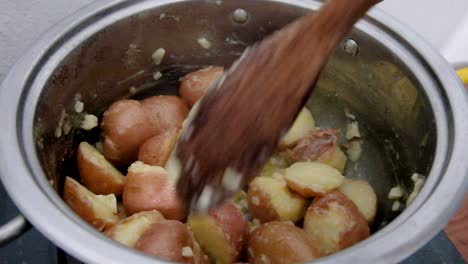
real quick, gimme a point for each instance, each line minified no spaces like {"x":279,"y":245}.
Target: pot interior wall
{"x":395,"y":117}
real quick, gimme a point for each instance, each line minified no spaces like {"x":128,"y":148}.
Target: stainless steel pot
{"x":409,"y":102}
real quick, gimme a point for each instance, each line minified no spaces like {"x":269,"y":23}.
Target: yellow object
{"x":463,"y":73}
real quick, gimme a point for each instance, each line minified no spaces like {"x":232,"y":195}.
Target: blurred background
{"x":444,"y":24}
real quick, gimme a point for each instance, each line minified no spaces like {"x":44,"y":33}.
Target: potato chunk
{"x":96,"y":173}
{"x":335,"y":223}
{"x":129,"y":230}
{"x":311,"y":179}
{"x":281,"y":242}
{"x":151,"y":188}
{"x":194,"y":85}
{"x":171,"y":240}
{"x":363,"y":196}
{"x":221,"y":233}
{"x":99,"y":211}
{"x":302,"y":126}
{"x":269,"y":199}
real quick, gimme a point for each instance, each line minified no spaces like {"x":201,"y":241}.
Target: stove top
{"x":33,"y":247}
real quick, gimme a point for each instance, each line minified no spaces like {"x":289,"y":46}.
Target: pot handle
{"x":13,"y":229}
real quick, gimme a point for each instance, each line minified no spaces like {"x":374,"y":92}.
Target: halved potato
{"x":311,"y":179}
{"x":363,"y":196}
{"x":221,"y":233}
{"x":156,"y":150}
{"x":281,"y":242}
{"x":125,"y":127}
{"x":151,"y":188}
{"x":301,"y":127}
{"x":165,"y":112}
{"x":130,"y":229}
{"x":320,"y":145}
{"x":334,"y":223}
{"x":269,"y":199}
{"x":194,"y":85}
{"x":96,"y":173}
{"x":99,"y":211}
{"x":171,"y":240}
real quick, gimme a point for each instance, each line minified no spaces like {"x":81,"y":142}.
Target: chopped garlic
{"x":418,"y":184}
{"x":157,"y":76}
{"x":231,"y":180}
{"x":158,"y":56}
{"x":132,"y":90}
{"x":204,"y":201}
{"x":89,"y":122}
{"x":354,"y":151}
{"x":204,"y":43}
{"x":349,"y":115}
{"x":187,"y":252}
{"x":79,"y":106}
{"x":352,"y":131}
{"x":395,"y":193}
{"x":396,"y":206}
{"x":58,"y":129}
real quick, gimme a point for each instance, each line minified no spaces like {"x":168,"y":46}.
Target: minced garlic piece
{"x":204,"y":43}
{"x":187,"y":252}
{"x":158,"y":56}
{"x":395,"y":193}
{"x":89,"y":122}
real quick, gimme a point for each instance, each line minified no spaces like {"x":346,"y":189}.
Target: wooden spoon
{"x":240,"y":120}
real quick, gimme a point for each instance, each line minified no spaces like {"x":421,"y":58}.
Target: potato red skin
{"x":125,"y":127}
{"x":279,"y":242}
{"x":165,"y":112}
{"x":233,"y":223}
{"x":156,"y":150}
{"x":166,"y":239}
{"x":100,"y":178}
{"x":353,"y":234}
{"x":146,"y":191}
{"x":194,"y":85}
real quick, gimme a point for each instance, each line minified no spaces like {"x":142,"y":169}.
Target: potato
{"x":171,"y":240}
{"x":276,"y":164}
{"x":125,"y":127}
{"x":363,"y":196}
{"x":320,"y":145}
{"x":281,"y":242}
{"x":130,"y":229}
{"x":194,"y":85}
{"x":335,"y":223}
{"x":165,"y":112}
{"x":96,"y":173}
{"x":301,"y":127}
{"x":156,"y":150}
{"x":151,"y":188}
{"x":311,"y":179}
{"x":99,"y":211}
{"x":221,"y":233}
{"x":269,"y":199}
{"x":335,"y":158}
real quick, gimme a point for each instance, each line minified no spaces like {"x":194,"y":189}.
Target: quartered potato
{"x":99,"y":211}
{"x":130,"y":229}
{"x":363,"y":196}
{"x":96,"y":173}
{"x":221,"y":233}
{"x":301,"y":127}
{"x":270,"y":199}
{"x":311,"y":179}
{"x":279,"y":243}
{"x":194,"y":85}
{"x":335,"y":223}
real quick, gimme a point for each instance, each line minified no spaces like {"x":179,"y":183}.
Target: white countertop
{"x":23,"y":21}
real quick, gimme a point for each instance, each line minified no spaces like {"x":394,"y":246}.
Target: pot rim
{"x":25,"y":181}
